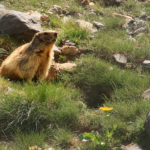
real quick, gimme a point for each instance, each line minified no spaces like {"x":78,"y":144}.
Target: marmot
{"x":31,"y":60}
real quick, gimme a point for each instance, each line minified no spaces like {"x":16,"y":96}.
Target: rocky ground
{"x":96,"y":96}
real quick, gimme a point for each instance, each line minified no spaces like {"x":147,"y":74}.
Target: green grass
{"x":36,"y":107}
{"x":73,"y":32}
{"x":24,"y":141}
{"x":63,"y":137}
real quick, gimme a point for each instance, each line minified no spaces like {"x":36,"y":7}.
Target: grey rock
{"x":135,"y":27}
{"x":18,"y":24}
{"x":120,"y":58}
{"x":147,"y":124}
{"x":98,"y":25}
{"x":132,"y":147}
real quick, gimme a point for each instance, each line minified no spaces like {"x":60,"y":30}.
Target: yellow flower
{"x":106,"y":108}
{"x":31,"y":148}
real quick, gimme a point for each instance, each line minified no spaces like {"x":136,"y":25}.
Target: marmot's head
{"x":46,"y":37}
{"x":42,"y":39}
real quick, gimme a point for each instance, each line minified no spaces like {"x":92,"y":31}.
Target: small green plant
{"x":74,"y":32}
{"x":114,"y":22}
{"x":55,"y":21}
{"x":105,"y":142}
{"x":62,"y":58}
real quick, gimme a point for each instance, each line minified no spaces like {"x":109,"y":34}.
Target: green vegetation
{"x":55,"y":113}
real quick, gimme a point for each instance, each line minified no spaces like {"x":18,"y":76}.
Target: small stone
{"x":91,"y":4}
{"x":132,"y":147}
{"x":84,"y":140}
{"x":146,"y":94}
{"x":65,"y":66}
{"x":146,"y":62}
{"x":69,"y":50}
{"x":97,"y":24}
{"x":70,"y":43}
{"x":120,"y":58}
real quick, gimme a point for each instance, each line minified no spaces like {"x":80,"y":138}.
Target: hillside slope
{"x":98,"y":105}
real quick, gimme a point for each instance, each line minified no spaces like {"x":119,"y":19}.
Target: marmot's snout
{"x":54,"y":37}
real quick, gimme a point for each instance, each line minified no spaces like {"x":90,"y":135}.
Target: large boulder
{"x":18,"y":24}
{"x":135,"y":27}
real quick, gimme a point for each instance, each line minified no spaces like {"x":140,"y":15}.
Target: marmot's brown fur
{"x":31,"y":60}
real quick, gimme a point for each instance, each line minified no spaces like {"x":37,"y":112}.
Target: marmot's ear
{"x":34,"y":44}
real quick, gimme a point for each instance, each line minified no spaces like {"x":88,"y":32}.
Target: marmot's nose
{"x":55,"y":34}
